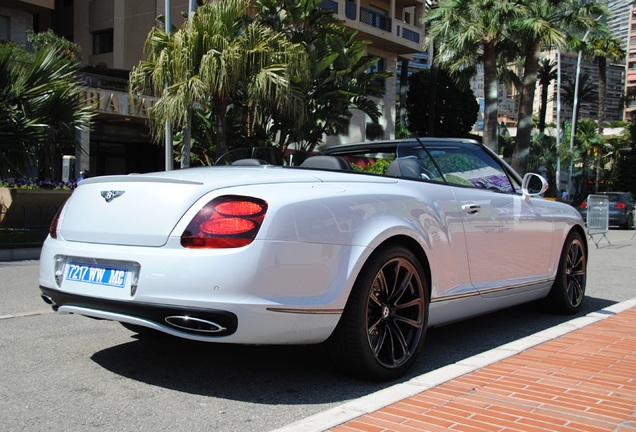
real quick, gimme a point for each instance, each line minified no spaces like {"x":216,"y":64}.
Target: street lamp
{"x":574,"y":109}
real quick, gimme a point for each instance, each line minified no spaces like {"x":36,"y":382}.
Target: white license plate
{"x":96,"y":274}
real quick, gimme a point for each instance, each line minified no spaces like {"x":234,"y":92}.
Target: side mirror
{"x":533,"y":185}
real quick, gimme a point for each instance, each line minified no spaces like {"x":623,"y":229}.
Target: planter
{"x":25,"y":214}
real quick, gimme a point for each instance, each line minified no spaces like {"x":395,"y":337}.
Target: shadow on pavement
{"x":293,"y":375}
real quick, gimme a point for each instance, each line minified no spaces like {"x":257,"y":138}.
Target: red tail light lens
{"x":53,"y":226}
{"x":583,"y":205}
{"x":619,"y":205}
{"x":225,"y":222}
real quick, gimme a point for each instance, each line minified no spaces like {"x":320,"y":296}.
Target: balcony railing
{"x":375,"y":19}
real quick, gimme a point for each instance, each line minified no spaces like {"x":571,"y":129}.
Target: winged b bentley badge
{"x":111,"y":195}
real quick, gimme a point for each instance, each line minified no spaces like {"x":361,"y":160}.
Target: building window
{"x":103,"y":42}
{"x":5,"y":31}
{"x":377,"y":68}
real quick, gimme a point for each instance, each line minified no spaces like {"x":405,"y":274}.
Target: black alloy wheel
{"x":384,"y":324}
{"x":568,"y":291}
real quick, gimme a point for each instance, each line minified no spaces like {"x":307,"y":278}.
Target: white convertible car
{"x":360,"y":248}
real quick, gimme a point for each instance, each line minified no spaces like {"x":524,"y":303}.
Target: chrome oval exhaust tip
{"x":48,"y":300}
{"x":194,"y":324}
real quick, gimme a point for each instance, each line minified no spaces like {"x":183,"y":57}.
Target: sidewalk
{"x":578,"y":376}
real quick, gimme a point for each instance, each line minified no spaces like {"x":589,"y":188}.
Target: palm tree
{"x":590,"y":145}
{"x":547,"y":73}
{"x":587,"y":92}
{"x":466,"y":32}
{"x":216,"y":55}
{"x":41,"y":108}
{"x":545,"y":23}
{"x":602,"y":48}
{"x":614,"y":150}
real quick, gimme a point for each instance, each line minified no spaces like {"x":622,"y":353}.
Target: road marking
{"x":26,"y":314}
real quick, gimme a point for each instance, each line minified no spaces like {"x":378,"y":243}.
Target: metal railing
{"x":375,"y":19}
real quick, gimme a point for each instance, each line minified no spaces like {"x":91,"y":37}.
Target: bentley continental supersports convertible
{"x":360,"y":248}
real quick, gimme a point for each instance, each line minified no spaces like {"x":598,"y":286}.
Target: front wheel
{"x":568,"y":290}
{"x":384,"y":322}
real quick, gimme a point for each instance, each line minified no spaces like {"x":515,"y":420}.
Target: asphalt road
{"x":66,"y":372}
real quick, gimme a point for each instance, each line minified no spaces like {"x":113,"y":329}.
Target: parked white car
{"x":321,"y":253}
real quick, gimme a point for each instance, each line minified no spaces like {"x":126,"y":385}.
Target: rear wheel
{"x":384,"y":323}
{"x":629,"y":223}
{"x":568,"y":291}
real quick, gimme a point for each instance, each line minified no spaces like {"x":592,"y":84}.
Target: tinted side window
{"x":470,"y":166}
{"x":415,"y":162}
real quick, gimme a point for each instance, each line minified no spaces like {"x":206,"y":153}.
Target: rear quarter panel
{"x":364,"y":216}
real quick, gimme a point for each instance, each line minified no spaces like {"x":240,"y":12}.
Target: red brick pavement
{"x":582,"y":381}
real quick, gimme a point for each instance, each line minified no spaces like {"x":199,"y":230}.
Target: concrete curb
{"x":367,"y":404}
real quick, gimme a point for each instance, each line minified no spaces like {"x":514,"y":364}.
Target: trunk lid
{"x":142,"y":210}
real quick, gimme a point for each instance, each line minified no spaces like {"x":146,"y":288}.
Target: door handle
{"x":471,"y":208}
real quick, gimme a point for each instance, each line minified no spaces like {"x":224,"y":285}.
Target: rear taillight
{"x":225,"y":222}
{"x":583,"y":205}
{"x":619,"y":205}
{"x":53,"y":226}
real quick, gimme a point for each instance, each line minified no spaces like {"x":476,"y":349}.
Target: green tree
{"x":547,"y":73}
{"x":602,"y":48}
{"x":341,"y":75}
{"x":615,"y":150}
{"x":43,"y":40}
{"x":456,"y":107}
{"x":41,"y":108}
{"x":545,"y":23}
{"x":466,"y":32}
{"x":590,"y":145}
{"x":217,"y":56}
{"x":625,"y":172}
{"x":543,"y":155}
{"x":587,"y":92}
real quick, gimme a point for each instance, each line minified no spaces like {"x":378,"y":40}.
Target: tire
{"x":629,"y":223}
{"x":383,"y":326}
{"x":568,"y":291}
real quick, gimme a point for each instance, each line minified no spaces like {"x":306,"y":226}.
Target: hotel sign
{"x":115,"y":102}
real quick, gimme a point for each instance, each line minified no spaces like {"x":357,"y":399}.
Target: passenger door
{"x":509,"y":240}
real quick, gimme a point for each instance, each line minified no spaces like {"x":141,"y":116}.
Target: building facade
{"x":630,"y":67}
{"x":507,"y":101}
{"x":112,"y":34}
{"x":395,"y":31}
{"x":588,"y":105}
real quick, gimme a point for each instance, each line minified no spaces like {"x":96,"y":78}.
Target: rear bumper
{"x":157,"y":316}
